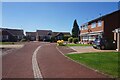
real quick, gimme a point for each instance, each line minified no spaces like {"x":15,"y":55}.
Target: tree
{"x":75,"y":30}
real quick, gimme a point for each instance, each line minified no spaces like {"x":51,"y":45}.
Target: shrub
{"x":60,"y":42}
{"x":52,"y":39}
{"x":70,"y":39}
{"x":23,"y":40}
{"x":65,"y":37}
{"x":75,"y":40}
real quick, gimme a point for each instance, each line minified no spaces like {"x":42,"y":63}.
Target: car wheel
{"x":102,"y":47}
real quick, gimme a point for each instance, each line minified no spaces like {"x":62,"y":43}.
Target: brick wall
{"x":97,"y":28}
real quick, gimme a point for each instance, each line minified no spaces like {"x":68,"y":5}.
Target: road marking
{"x":36,"y":70}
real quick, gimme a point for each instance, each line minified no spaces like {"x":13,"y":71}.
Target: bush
{"x":75,"y":40}
{"x":65,"y":37}
{"x":23,"y":40}
{"x":52,"y":39}
{"x":70,"y":39}
{"x":60,"y":42}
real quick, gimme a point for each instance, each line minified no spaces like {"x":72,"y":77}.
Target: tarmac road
{"x":18,"y":64}
{"x":48,"y":58}
{"x":54,"y":65}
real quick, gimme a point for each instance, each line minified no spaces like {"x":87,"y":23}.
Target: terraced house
{"x":100,"y":27}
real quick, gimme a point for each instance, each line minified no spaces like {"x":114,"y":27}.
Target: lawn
{"x":106,"y":62}
{"x":78,"y":45}
{"x":6,"y":43}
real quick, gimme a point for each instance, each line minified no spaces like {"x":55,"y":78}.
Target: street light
{"x":117,"y":31}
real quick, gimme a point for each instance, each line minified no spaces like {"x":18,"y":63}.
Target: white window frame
{"x":99,"y":23}
{"x":93,"y":25}
{"x":85,"y":27}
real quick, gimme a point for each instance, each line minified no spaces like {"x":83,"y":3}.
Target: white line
{"x":36,"y":70}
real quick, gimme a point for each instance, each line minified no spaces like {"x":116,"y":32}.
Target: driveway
{"x":86,"y":49}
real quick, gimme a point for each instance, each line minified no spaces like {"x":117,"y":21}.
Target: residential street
{"x":18,"y":64}
{"x":43,"y":60}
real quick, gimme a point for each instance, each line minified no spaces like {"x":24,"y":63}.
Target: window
{"x":84,"y":27}
{"x":99,"y":23}
{"x":4,"y":37}
{"x":85,"y":37}
{"x":18,"y":37}
{"x":93,"y":25}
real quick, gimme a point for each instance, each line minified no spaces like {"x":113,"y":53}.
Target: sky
{"x":55,"y":16}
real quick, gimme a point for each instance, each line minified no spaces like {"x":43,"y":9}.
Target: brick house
{"x":43,"y":35}
{"x":11,"y":35}
{"x":60,"y":35}
{"x":31,"y":36}
{"x":100,"y":27}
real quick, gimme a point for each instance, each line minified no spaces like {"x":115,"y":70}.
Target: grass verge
{"x":6,"y":43}
{"x":78,"y":45}
{"x":106,"y":62}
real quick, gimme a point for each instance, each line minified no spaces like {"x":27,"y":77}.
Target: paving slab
{"x":12,"y":46}
{"x":88,"y":49}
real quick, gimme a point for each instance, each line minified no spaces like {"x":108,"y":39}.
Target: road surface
{"x":43,"y":60}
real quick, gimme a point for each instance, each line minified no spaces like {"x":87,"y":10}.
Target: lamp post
{"x":118,"y":39}
{"x":117,"y":31}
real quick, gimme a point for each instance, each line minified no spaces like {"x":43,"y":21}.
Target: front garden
{"x":71,"y":42}
{"x":106,"y":62}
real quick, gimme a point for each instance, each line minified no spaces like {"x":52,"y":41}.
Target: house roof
{"x":14,"y":32}
{"x":102,"y":17}
{"x":30,"y":33}
{"x":44,"y":32}
{"x":66,"y":33}
{"x":57,"y":33}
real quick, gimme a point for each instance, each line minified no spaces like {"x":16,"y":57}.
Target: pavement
{"x":6,"y":49}
{"x":12,"y":46}
{"x":44,"y":60}
{"x":88,"y":49}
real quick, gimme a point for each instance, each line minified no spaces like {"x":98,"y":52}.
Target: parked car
{"x":102,"y":43}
